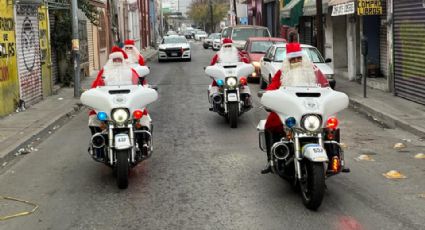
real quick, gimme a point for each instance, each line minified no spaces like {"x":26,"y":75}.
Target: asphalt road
{"x":204,"y":175}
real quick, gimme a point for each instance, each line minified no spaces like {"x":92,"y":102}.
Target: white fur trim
{"x":116,"y":55}
{"x":295,"y":54}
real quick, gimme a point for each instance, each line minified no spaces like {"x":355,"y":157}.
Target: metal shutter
{"x":383,"y":54}
{"x":409,"y":50}
{"x":28,"y":49}
{"x":55,"y":71}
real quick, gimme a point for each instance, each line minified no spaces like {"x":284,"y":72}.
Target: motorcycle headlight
{"x":231,"y":81}
{"x":311,"y":123}
{"x":120,"y":115}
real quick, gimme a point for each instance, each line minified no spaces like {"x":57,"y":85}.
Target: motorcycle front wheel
{"x":122,"y":168}
{"x":312,"y":185}
{"x":233,"y":114}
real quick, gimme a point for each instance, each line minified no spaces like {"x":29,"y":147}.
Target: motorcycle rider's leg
{"x":146,"y":124}
{"x":272,"y":136}
{"x":246,"y":97}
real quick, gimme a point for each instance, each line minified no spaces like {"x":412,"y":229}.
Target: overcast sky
{"x":182,"y":5}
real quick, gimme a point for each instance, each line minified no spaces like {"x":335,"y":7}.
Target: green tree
{"x":200,"y":12}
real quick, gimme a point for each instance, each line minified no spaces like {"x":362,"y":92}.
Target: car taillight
{"x":137,"y":114}
{"x":332,"y":123}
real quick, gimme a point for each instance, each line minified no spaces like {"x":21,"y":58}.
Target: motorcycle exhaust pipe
{"x":280,"y":151}
{"x":98,"y":141}
{"x":217,"y":99}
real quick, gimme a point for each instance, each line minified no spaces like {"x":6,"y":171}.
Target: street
{"x":204,"y":175}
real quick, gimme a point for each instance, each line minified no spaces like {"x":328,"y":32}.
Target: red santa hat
{"x":117,"y":52}
{"x":227,"y":41}
{"x":129,"y":42}
{"x":293,"y":50}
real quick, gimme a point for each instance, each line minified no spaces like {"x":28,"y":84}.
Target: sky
{"x":178,"y":5}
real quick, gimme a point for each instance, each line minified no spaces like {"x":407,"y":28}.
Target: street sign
{"x":369,"y":7}
{"x":343,"y":9}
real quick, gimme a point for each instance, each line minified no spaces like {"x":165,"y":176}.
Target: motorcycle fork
{"x":298,"y":157}
{"x":111,"y":143}
{"x":225,"y":100}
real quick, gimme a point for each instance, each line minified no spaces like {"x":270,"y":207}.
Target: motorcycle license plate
{"x":232,"y":97}
{"x":122,"y":141}
{"x":174,"y":54}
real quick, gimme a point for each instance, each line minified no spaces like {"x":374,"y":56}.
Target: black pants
{"x":271,"y":138}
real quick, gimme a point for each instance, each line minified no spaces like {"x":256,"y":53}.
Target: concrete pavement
{"x":384,"y":108}
{"x":20,"y":131}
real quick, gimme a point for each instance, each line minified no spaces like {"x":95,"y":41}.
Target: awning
{"x":337,"y":2}
{"x":286,"y":11}
{"x":310,"y":7}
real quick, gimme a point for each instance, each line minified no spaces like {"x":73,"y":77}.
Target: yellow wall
{"x":9,"y":83}
{"x":46,"y":63}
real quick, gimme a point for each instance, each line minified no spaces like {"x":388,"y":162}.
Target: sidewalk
{"x":19,"y":131}
{"x":384,"y":107}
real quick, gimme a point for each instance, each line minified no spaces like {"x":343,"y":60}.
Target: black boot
{"x":267,"y":169}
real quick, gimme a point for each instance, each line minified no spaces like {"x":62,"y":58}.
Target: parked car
{"x":272,"y":62}
{"x":171,"y":32}
{"x":174,"y":47}
{"x":240,"y":34}
{"x":254,"y":50}
{"x":216,"y":43}
{"x":208,"y":42}
{"x":199,"y":35}
{"x":188,"y":34}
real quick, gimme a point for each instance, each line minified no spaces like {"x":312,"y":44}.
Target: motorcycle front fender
{"x":314,"y":153}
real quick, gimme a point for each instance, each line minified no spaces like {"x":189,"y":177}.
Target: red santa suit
{"x":305,"y":74}
{"x":134,"y":55}
{"x":116,"y":73}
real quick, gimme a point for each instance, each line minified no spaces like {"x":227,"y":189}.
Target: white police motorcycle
{"x":309,"y":150}
{"x":122,"y":141}
{"x":233,"y":97}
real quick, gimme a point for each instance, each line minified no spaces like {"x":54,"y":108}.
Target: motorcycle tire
{"x":122,"y":168}
{"x":313,"y":185}
{"x":233,"y":114}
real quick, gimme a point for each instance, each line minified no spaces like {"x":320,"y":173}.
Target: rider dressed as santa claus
{"x":134,"y":55}
{"x":228,"y":53}
{"x":117,"y":71}
{"x":297,"y":70}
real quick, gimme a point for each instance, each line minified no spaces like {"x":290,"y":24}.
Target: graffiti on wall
{"x":28,"y":45}
{"x":7,"y":46}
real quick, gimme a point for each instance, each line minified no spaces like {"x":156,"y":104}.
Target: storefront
{"x":409,"y":50}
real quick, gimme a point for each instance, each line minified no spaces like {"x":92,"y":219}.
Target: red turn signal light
{"x":137,"y":114}
{"x":243,"y":80}
{"x":332,"y":123}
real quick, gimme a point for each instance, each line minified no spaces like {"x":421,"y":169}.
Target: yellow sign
{"x":369,"y":7}
{"x":75,"y":44}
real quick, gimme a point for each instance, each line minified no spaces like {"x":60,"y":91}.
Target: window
{"x":245,"y":33}
{"x":260,"y":46}
{"x":174,"y":39}
{"x":312,"y":54}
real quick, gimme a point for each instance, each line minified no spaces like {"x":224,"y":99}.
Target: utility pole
{"x":212,"y":16}
{"x":319,"y":26}
{"x":161,"y":19}
{"x":236,"y":14}
{"x":75,"y":48}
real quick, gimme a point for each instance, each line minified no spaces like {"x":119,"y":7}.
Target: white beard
{"x":228,"y":55}
{"x":133,"y":57}
{"x":118,"y":75}
{"x":298,"y":76}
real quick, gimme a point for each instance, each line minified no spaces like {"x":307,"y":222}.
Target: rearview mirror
{"x":328,"y":60}
{"x":266,"y":59}
{"x":155,"y":87}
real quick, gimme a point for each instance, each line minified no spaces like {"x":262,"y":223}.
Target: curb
{"x":44,"y":132}
{"x":38,"y":136}
{"x":385,"y":120}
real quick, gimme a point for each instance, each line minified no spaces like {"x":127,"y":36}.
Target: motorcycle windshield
{"x":223,"y":70}
{"x":107,"y":98}
{"x":298,"y":101}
